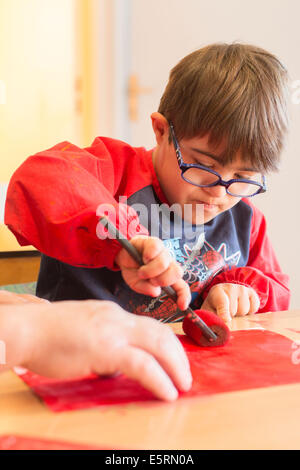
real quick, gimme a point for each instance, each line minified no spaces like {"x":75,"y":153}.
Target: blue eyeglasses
{"x":204,"y":177}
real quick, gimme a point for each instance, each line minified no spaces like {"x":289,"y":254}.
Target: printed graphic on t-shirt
{"x":201,"y":263}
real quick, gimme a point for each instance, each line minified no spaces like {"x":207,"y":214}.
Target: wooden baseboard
{"x":17,"y":268}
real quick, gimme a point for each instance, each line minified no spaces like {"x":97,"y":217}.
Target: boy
{"x":73,"y":339}
{"x":219,"y":129}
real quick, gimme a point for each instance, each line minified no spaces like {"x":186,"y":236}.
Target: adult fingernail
{"x":171,"y":394}
{"x":187,"y":383}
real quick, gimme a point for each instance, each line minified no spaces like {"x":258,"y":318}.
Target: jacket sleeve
{"x":262,"y":272}
{"x":55,"y":198}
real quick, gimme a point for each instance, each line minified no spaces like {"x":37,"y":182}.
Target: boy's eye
{"x":242,"y":177}
{"x":206,"y":165}
{"x":191,"y":159}
{"x":209,"y":167}
{"x":247,"y":177}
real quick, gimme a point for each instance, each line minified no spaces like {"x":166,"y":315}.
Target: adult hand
{"x":75,"y":338}
{"x":7,"y":297}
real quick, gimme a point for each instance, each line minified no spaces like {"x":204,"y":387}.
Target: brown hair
{"x":231,"y":91}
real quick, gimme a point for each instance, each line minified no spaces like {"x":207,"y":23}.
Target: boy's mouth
{"x":207,"y":206}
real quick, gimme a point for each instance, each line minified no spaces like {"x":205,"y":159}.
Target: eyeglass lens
{"x":201,"y":177}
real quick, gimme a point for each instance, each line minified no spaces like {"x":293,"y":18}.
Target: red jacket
{"x":52,"y":203}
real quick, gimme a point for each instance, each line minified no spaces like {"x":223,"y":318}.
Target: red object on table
{"x":251,"y":359}
{"x":12,"y":442}
{"x":215,"y":323}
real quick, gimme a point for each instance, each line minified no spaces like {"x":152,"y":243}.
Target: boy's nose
{"x":216,"y":191}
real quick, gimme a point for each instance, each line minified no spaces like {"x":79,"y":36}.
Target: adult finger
{"x":143,"y":367}
{"x":13,"y":298}
{"x":33,"y":298}
{"x":160,"y":341}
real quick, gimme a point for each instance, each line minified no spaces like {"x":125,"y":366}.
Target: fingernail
{"x":172,"y":394}
{"x":226,"y":318}
{"x":187,"y":383}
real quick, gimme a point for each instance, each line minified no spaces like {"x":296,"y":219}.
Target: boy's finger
{"x":220,"y":301}
{"x":157,"y":266}
{"x":243,"y":302}
{"x":149,"y":247}
{"x":171,"y":275}
{"x":183,"y":292}
{"x":146,"y":288}
{"x":254,"y":301}
{"x":126,"y":261}
{"x":233,"y":303}
{"x":152,"y":248}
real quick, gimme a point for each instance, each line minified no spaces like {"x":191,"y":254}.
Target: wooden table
{"x":265,"y":418}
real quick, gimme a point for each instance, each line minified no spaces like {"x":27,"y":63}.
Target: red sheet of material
{"x":28,"y":443}
{"x":251,"y":359}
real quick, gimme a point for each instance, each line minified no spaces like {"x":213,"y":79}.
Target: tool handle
{"x":167,"y":289}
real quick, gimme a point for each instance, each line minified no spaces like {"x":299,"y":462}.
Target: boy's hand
{"x":70,"y":339}
{"x":228,"y":300}
{"x":160,"y":270}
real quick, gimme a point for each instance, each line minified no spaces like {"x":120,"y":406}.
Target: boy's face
{"x":213,"y":200}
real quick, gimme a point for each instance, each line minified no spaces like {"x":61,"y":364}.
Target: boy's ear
{"x":160,"y":127}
